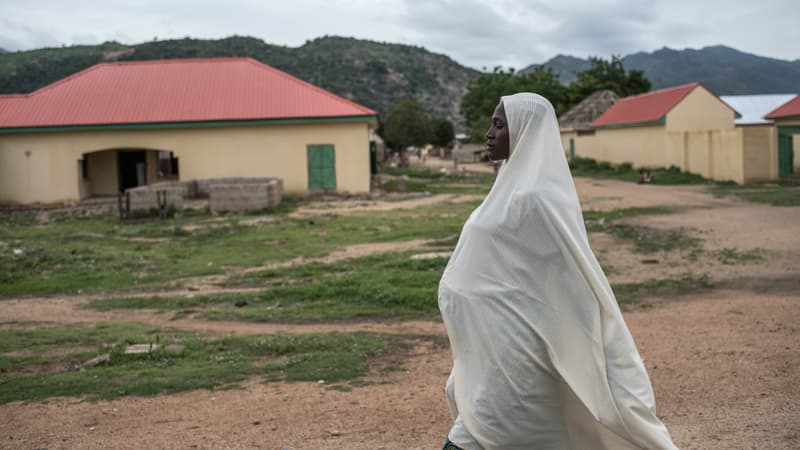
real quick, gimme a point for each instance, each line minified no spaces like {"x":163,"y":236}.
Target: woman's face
{"x":497,"y":142}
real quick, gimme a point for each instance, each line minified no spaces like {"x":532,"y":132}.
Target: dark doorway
{"x":132,"y":169}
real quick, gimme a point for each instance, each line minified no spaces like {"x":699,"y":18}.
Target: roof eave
{"x":370,"y":119}
{"x":647,"y":123}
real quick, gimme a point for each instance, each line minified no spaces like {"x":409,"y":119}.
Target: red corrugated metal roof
{"x":649,"y":107}
{"x":788,"y":109}
{"x":182,"y":90}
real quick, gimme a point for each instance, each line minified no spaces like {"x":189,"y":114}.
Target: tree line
{"x":408,"y":124}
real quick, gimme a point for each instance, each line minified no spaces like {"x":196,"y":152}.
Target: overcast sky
{"x":476,"y":33}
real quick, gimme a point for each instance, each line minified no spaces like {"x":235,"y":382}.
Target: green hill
{"x":371,"y":73}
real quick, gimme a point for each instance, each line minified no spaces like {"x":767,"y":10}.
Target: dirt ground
{"x":724,"y":361}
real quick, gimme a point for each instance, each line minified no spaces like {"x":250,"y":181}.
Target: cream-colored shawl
{"x":541,"y":355}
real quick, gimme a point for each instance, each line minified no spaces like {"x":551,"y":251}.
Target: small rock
{"x":240,"y":304}
{"x":176,"y":349}
{"x":321,"y":381}
{"x":18,"y":251}
{"x":190,"y":296}
{"x":95,"y":361}
{"x":256,"y":422}
{"x":334,"y":432}
{"x":140,"y":348}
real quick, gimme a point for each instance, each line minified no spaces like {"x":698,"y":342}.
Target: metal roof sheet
{"x":753,"y":108}
{"x":788,"y":109}
{"x":643,"y":108}
{"x":184,"y":90}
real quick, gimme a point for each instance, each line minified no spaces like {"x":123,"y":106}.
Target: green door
{"x":785,"y":150}
{"x":571,"y":149}
{"x":785,"y":156}
{"x":321,"y":167}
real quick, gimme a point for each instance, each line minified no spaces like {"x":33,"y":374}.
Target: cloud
{"x":16,"y":36}
{"x":476,"y":33}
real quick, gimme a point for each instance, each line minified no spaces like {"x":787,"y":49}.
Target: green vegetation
{"x":46,"y":338}
{"x":732,"y":256}
{"x":422,"y":179}
{"x":772,"y":194}
{"x":588,"y":167}
{"x":407,"y":124}
{"x":644,"y":239}
{"x":632,"y":293}
{"x":100,"y":254}
{"x":200,"y":363}
{"x":375,"y":286}
{"x":610,"y":75}
{"x":484,"y":92}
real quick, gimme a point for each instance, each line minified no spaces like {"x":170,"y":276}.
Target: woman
{"x":541,"y":356}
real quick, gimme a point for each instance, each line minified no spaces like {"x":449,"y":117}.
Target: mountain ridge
{"x":724,"y":70}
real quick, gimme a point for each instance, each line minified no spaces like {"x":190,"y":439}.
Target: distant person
{"x":542,"y":358}
{"x":644,"y":177}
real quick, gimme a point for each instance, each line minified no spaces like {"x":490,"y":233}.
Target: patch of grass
{"x":651,"y":240}
{"x":371,"y":286}
{"x":382,"y":285}
{"x":209,"y":364}
{"x":69,"y":336}
{"x":594,"y":218}
{"x":161,"y":303}
{"x":631,"y":293}
{"x":645,"y":239}
{"x":99,"y":254}
{"x":12,"y":363}
{"x":412,"y":172}
{"x":776,"y":195}
{"x":732,"y":256}
{"x":17,"y":219}
{"x":588,"y":167}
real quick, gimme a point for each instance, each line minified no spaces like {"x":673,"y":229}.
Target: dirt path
{"x":722,"y":365}
{"x":344,"y":207}
{"x":723,"y":362}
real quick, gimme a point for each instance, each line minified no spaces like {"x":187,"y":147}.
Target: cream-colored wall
{"x":103,"y":176}
{"x":30,"y":172}
{"x":796,"y":150}
{"x":760,"y":158}
{"x":50,"y":172}
{"x":640,"y":146}
{"x":715,"y":154}
{"x":700,"y":110}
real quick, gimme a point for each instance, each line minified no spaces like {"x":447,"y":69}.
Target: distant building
{"x":578,"y":120}
{"x":787,"y":125}
{"x":119,"y":125}
{"x":685,"y":126}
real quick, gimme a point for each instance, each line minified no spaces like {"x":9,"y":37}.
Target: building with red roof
{"x":787,"y":126}
{"x":118,"y":125}
{"x":688,"y":127}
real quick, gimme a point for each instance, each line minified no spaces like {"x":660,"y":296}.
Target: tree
{"x":407,"y":124}
{"x":607,"y":75}
{"x":443,"y":132}
{"x":484,"y":92}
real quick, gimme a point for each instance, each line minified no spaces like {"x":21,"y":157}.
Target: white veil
{"x":523,"y":297}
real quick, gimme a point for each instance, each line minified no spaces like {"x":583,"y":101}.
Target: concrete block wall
{"x":203,"y":186}
{"x":188,"y":188}
{"x":146,"y":197}
{"x":244,"y":195}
